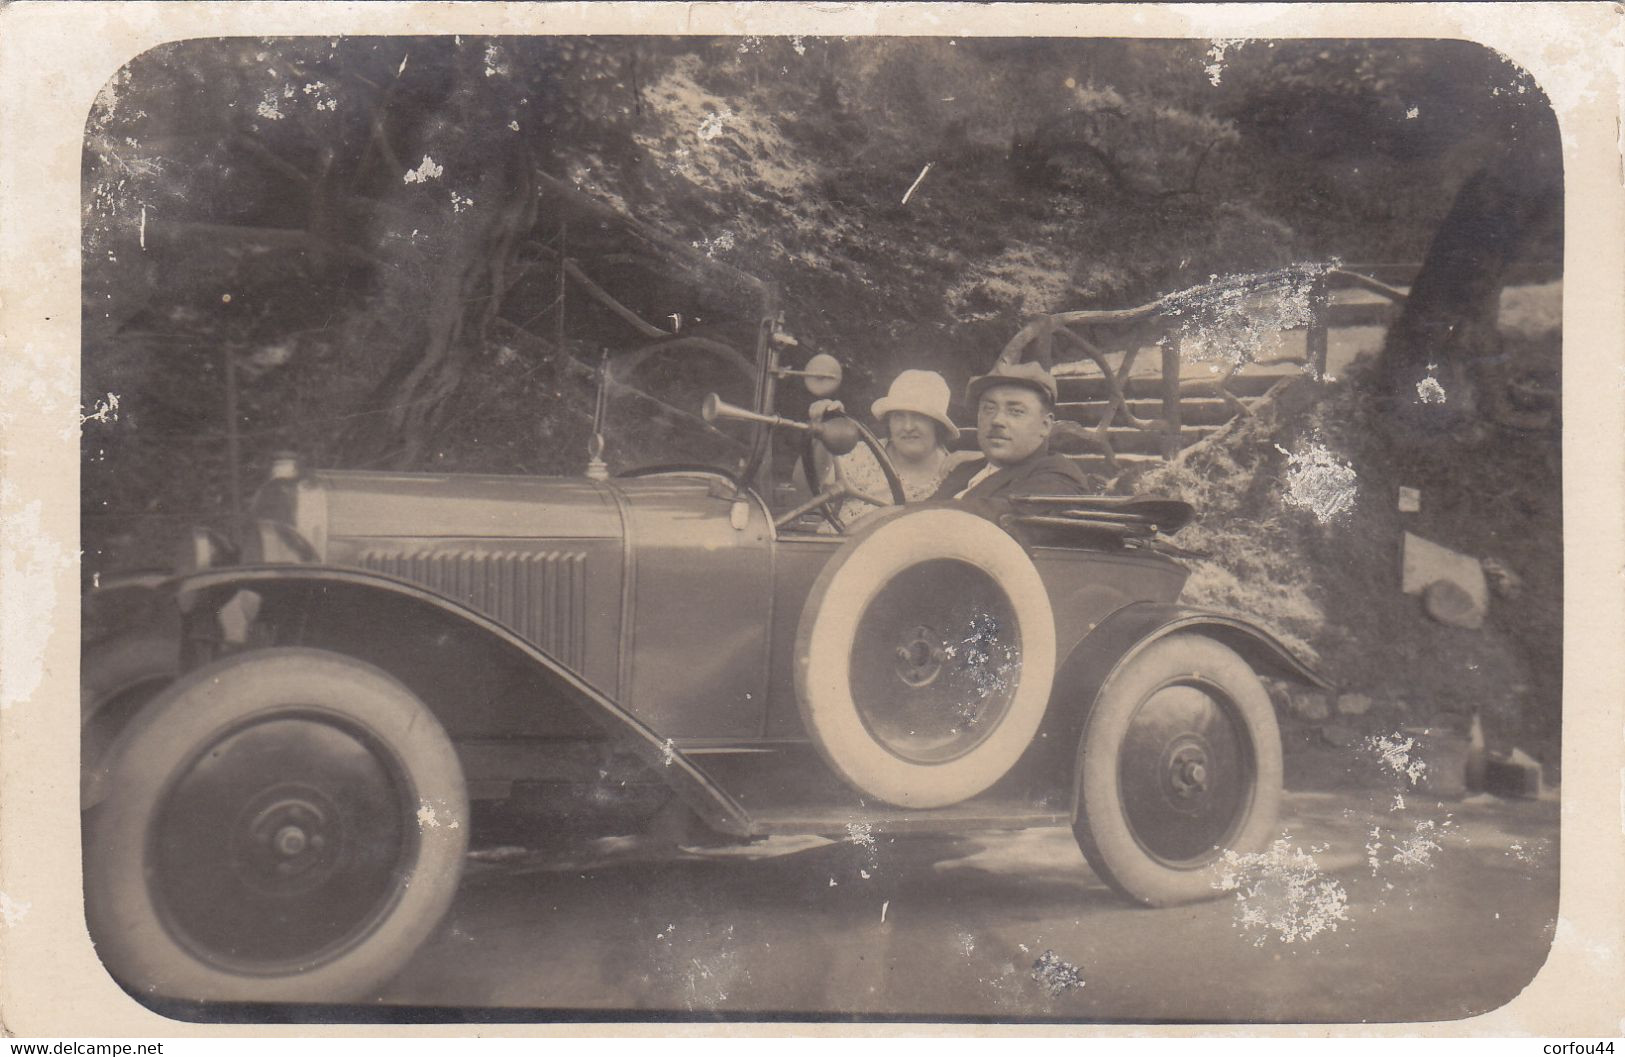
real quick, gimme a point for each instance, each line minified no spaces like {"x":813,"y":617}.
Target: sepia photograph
{"x":847,"y":529}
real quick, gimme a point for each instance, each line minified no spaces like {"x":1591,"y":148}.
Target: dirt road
{"x":1373,"y":908}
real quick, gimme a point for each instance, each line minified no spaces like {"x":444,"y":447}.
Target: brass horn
{"x":839,"y":435}
{"x":715,"y":407}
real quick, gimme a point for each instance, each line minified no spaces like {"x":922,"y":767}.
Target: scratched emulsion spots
{"x":428,"y":818}
{"x":715,"y":123}
{"x":985,"y":667}
{"x":105,"y":411}
{"x":703,"y":967}
{"x":494,"y":64}
{"x":1282,"y":892}
{"x":1600,"y":950}
{"x":12,"y":911}
{"x":1415,"y":849}
{"x":1393,"y":752}
{"x":1319,"y":482}
{"x":31,"y":561}
{"x":268,"y":107}
{"x":1233,"y":321}
{"x":1535,"y":853}
{"x":322,"y":94}
{"x":861,"y":834}
{"x":722,"y":243}
{"x":1057,"y":977}
{"x":428,"y":169}
{"x":1216,"y":52}
{"x":1429,"y":391}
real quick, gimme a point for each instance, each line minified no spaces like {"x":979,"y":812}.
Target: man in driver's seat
{"x":1015,"y":412}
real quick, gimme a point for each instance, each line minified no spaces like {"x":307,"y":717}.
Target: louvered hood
{"x":541,"y":556}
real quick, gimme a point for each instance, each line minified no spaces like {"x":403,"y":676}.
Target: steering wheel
{"x":825,"y":502}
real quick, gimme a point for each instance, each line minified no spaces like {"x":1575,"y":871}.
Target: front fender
{"x":303,"y":589}
{"x":1119,"y":638}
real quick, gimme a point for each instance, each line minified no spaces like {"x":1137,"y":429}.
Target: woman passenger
{"x":917,"y":435}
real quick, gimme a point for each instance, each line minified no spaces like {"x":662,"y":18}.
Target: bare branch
{"x":599,"y":294}
{"x":272,"y":158}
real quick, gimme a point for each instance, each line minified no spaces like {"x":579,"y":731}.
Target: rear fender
{"x":1121,"y":637}
{"x":300,"y":601}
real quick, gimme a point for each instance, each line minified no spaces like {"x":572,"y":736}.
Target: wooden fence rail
{"x":1120,"y":416}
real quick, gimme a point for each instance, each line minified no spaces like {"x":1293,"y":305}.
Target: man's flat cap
{"x":1029,"y":374}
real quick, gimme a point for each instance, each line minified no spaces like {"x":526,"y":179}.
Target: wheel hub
{"x":285,"y":838}
{"x":1188,"y":770}
{"x":1185,"y":773}
{"x":290,"y":840}
{"x":930,"y":693}
{"x":920,"y":653}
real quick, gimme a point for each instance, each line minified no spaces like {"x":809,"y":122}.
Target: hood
{"x":421,"y":505}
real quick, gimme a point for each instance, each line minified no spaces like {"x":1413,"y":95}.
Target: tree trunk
{"x":465,"y":295}
{"x":444,"y":283}
{"x":1448,"y":330}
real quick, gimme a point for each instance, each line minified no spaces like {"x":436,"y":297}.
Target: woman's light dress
{"x":863,"y":473}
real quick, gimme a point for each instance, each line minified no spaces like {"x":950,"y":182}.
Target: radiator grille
{"x":539,"y":594}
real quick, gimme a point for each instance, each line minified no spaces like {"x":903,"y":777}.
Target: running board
{"x":978,"y":814}
{"x":790,"y":791}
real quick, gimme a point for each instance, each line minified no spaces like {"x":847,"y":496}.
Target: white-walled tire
{"x":1179,"y":762}
{"x":285,"y":825}
{"x":117,"y":676}
{"x":925,"y":656}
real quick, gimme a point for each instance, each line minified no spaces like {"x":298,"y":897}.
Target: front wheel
{"x":285,"y":825}
{"x":1180,"y":761}
{"x":117,"y":677}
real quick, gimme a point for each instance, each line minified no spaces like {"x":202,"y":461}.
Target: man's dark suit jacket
{"x":1041,"y":473}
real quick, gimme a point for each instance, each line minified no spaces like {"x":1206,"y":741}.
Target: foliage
{"x":355,"y":225}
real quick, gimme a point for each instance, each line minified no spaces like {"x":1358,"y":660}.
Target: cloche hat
{"x":923,"y":392}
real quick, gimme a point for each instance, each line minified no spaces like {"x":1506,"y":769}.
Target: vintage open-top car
{"x":287,"y":819}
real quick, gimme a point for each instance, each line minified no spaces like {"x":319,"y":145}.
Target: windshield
{"x":652,"y":406}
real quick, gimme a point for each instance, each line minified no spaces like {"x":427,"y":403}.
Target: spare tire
{"x":924,"y":656}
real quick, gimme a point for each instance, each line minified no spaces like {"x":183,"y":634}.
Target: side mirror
{"x":823,"y":375}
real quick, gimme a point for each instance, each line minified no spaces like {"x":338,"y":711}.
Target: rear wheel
{"x":283,"y":825}
{"x":1180,"y":761}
